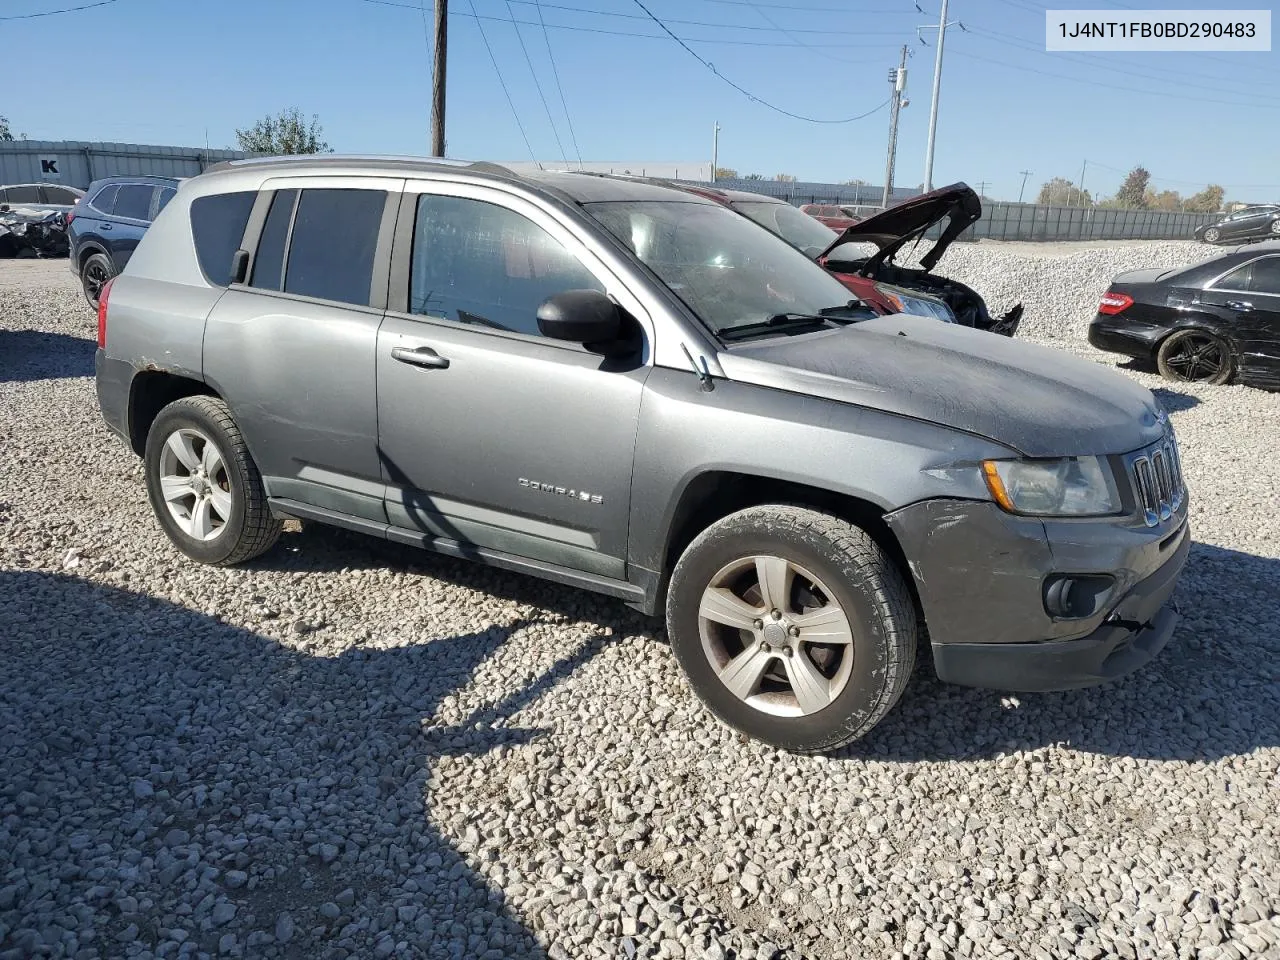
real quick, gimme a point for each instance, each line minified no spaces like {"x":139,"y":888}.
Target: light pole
{"x":941,"y":27}
{"x":899,"y":80}
{"x":715,"y":150}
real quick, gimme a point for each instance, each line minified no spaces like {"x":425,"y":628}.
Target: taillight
{"x":102,"y":313}
{"x":70,"y":215}
{"x":1113,"y":303}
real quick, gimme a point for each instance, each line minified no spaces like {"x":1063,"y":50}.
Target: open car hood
{"x":892,"y":229}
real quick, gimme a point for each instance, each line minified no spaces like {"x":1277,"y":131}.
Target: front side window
{"x":134,"y":201}
{"x":335,"y":237}
{"x":23,"y":194}
{"x":799,"y":229}
{"x":728,"y":272}
{"x":1266,"y":276}
{"x":480,"y":263}
{"x":217,"y":226}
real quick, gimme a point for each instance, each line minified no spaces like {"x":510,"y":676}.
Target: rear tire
{"x":793,"y":626}
{"x":94,"y":274}
{"x":1212,"y":235}
{"x":204,"y":486}
{"x":1195,"y":356}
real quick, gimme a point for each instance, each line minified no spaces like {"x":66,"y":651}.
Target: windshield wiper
{"x":775,"y":324}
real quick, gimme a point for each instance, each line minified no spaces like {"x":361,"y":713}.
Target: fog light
{"x":1076,"y":596}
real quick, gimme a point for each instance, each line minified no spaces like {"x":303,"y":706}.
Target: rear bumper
{"x":1106,"y":333}
{"x":1131,"y":636}
{"x":113,"y":380}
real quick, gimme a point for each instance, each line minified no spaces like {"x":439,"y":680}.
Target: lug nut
{"x":777,"y":614}
{"x":794,"y":631}
{"x":788,"y":651}
{"x":758,"y":624}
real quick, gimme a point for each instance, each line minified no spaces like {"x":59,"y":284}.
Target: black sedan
{"x":1215,"y":322}
{"x":1251,"y":223}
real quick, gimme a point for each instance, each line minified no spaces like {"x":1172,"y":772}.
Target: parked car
{"x":877,"y":280}
{"x":831,"y":215}
{"x":40,"y":196}
{"x":106,"y":225}
{"x":1251,"y":223}
{"x":633,"y":390}
{"x":1214,"y":322}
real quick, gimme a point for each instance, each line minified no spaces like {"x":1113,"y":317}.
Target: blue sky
{"x":155,"y":72}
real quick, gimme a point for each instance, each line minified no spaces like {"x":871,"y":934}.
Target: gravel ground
{"x":347,"y":749}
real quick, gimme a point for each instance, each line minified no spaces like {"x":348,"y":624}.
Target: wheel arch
{"x":150,"y":392}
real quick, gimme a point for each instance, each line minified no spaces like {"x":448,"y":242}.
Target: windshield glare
{"x":799,"y":229}
{"x":726,"y":270}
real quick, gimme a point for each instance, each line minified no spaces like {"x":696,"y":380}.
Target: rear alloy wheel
{"x":94,"y":275}
{"x":1195,"y":356}
{"x":793,"y":626}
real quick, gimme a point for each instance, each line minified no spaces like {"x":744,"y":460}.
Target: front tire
{"x":1195,"y":356}
{"x":793,"y":626}
{"x":204,"y":486}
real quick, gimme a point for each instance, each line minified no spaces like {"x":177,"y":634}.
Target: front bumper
{"x":981,"y":576}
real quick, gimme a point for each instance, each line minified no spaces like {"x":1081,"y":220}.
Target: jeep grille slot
{"x":1157,"y":481}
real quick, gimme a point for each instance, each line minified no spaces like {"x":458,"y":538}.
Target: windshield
{"x":727,"y":271}
{"x":806,"y":234}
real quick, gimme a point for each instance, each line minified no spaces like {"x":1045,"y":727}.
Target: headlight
{"x":1071,"y":487}
{"x":920,"y":306}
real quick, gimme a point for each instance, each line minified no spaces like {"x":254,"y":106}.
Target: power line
{"x":788,"y":6}
{"x":792,"y":35}
{"x":555,"y":72}
{"x":718,"y":26}
{"x":746,"y":93}
{"x":537,"y":84}
{"x":511,"y":103}
{"x":54,"y":13}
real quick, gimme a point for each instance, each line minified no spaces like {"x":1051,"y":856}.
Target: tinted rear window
{"x":217,"y":226}
{"x":268,"y":265}
{"x":335,"y":234}
{"x":134,"y":201}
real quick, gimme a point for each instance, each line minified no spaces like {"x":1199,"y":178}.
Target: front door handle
{"x":106,"y":226}
{"x":420,"y":357}
{"x":1244,"y":306}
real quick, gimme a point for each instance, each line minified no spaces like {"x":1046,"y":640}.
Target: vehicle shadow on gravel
{"x":1175,"y":401}
{"x":1211,"y":693}
{"x":36,"y":355}
{"x":164,"y":771}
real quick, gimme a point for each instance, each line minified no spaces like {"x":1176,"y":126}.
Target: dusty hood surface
{"x":1038,"y":401}
{"x":892,"y":228}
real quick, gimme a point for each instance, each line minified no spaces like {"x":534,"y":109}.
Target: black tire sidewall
{"x":106,"y":263}
{"x":177,"y":416}
{"x":1171,"y":341}
{"x":852,"y":589}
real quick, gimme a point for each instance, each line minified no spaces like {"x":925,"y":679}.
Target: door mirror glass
{"x":580,"y":316}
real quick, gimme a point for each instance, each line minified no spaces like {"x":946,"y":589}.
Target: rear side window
{"x":217,"y":227}
{"x":104,"y":201}
{"x":1236,"y":279}
{"x":1266,"y":276}
{"x":59,"y":195}
{"x":134,"y":201}
{"x":268,"y":265}
{"x":24,"y":194}
{"x":166,"y":194}
{"x":335,"y":236}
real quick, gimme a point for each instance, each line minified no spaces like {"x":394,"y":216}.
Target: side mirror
{"x":580,"y":316}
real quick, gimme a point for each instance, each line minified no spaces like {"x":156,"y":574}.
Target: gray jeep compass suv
{"x":634,"y":390}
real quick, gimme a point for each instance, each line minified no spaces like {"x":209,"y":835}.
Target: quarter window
{"x":166,"y":194}
{"x":104,"y":201}
{"x":1266,"y":275}
{"x":480,"y":263}
{"x":335,"y":236}
{"x":217,"y":225}
{"x":1236,"y":279}
{"x":134,"y":201}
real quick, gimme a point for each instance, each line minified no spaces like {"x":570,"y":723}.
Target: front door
{"x":490,"y":434}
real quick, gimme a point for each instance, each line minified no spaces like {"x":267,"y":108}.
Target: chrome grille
{"x":1158,"y":486}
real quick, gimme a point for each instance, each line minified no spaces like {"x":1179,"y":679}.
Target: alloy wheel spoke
{"x":202,"y":518}
{"x":181,"y":447}
{"x":723,"y":606}
{"x":811,"y":688}
{"x":175,"y":488}
{"x":825,"y":625}
{"x":221,"y":501}
{"x":775,"y":576}
{"x":210,"y":460}
{"x":742,"y":674}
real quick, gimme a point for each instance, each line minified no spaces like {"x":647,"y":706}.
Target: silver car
{"x":636,"y":391}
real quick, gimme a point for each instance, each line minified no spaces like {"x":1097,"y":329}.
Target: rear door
{"x":1245,"y":307}
{"x":291,"y":345}
{"x":507,"y":439}
{"x":130,"y":217}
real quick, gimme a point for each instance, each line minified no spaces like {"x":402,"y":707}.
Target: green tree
{"x":1208,"y":200}
{"x":726,"y":173}
{"x":1164,"y":200}
{"x":753,"y":176}
{"x":4,"y":129}
{"x":785,"y":178}
{"x":1132,"y":194}
{"x":853,"y":183}
{"x":286,"y":133}
{"x":1061,"y":192}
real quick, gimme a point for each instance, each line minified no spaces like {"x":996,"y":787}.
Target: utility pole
{"x":715,"y":151}
{"x":437,"y":78}
{"x":1081,"y":187}
{"x":1025,"y":174}
{"x":898,"y":78}
{"x":937,"y":87}
{"x":982,"y":188}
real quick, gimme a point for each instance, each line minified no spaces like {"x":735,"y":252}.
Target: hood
{"x":1035,"y":400}
{"x":891,"y":229}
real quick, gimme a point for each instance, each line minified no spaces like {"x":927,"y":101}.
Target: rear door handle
{"x":1244,"y":306}
{"x":420,"y":357}
{"x":106,"y":226}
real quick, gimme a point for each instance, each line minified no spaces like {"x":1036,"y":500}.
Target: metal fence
{"x":76,"y":163}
